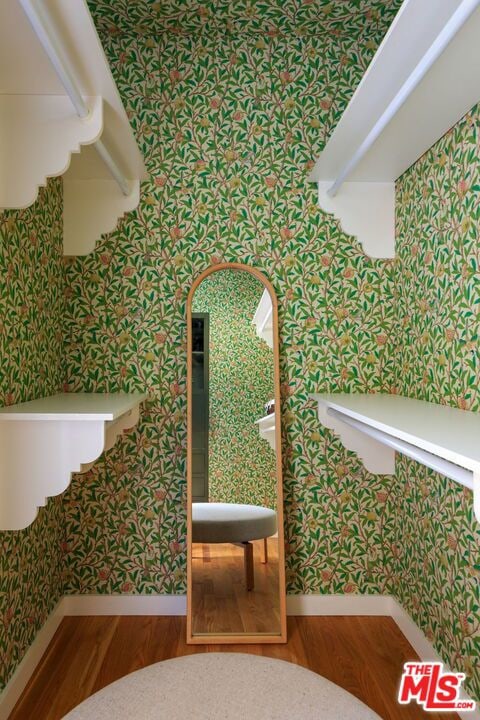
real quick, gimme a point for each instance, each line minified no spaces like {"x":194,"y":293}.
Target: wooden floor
{"x":364,"y":655}
{"x":221,"y":601}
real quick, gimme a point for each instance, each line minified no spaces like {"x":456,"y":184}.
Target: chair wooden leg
{"x":249,"y":570}
{"x":265,"y":550}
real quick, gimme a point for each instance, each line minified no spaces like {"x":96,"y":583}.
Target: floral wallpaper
{"x":300,"y":17}
{"x":31,"y":308}
{"x":229,"y":125}
{"x":242,"y":466}
{"x":437,"y":578}
{"x":230,"y":103}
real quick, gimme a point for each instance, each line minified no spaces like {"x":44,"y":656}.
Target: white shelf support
{"x":266,"y":428}
{"x":38,"y":135}
{"x":44,"y":27}
{"x":365,"y":211}
{"x":59,"y":98}
{"x":444,"y":467}
{"x":376,"y":457}
{"x":442,"y":438}
{"x":263,"y":319}
{"x":450,"y":29}
{"x":408,"y":98}
{"x":91,"y":209}
{"x":44,"y":441}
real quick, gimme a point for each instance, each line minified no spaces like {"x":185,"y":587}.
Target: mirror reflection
{"x":234,"y":474}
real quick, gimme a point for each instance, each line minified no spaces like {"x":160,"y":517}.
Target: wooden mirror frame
{"x":244,"y":638}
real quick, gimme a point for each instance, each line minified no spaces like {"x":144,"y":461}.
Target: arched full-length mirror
{"x":236,"y":577}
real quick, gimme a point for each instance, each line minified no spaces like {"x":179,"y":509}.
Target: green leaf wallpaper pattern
{"x":31,"y":347}
{"x":229,"y":123}
{"x":242,"y":465}
{"x":300,"y":17}
{"x":438,"y":359}
{"x":229,"y":127}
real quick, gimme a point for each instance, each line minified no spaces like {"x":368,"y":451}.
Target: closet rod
{"x":45,"y":30}
{"x":434,"y":462}
{"x":459,"y":17}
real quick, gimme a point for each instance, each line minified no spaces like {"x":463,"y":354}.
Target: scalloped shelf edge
{"x":377,"y":458}
{"x":376,"y":426}
{"x":39,"y":457}
{"x":365,"y":211}
{"x":92,"y":208}
{"x":266,"y":429}
{"x":42,"y":132}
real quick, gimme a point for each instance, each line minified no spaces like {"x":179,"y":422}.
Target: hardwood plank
{"x":221,"y":602}
{"x":72,"y":660}
{"x":364,"y":655}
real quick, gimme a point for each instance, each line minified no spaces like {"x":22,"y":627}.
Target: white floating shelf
{"x":263,"y":318}
{"x":61,"y":114}
{"x":266,"y":428}
{"x":424,"y":77}
{"x":443,"y":438}
{"x":43,"y":441}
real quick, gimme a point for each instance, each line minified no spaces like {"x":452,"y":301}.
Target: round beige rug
{"x":222,"y":686}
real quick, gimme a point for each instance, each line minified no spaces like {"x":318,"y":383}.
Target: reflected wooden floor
{"x":221,"y":602}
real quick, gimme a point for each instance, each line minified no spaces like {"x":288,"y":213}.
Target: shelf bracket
{"x":377,"y":449}
{"x":39,"y":134}
{"x":377,"y":457}
{"x":93,"y":208}
{"x":266,"y":428}
{"x":40,"y":455}
{"x":476,"y":494}
{"x":365,"y":210}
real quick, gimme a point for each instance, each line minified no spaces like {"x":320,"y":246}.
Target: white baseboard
{"x":415,"y":636}
{"x":124,"y":605}
{"x":24,"y":671}
{"x":339,"y":605}
{"x":79,"y":605}
{"x":177,"y":605}
{"x":423,"y":647}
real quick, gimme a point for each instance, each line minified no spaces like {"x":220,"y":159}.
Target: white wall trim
{"x":306,"y":605}
{"x":338,"y":605}
{"x":423,"y":647}
{"x":124,"y":605}
{"x":415,"y":636}
{"x":24,"y":671}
